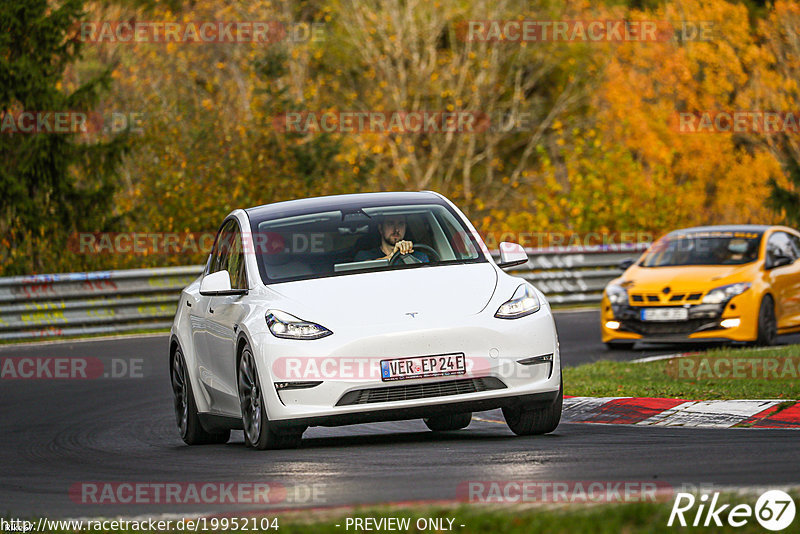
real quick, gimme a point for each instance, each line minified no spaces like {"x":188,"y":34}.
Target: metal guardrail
{"x":575,"y":275}
{"x":57,"y":305}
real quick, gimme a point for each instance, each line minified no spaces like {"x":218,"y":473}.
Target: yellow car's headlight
{"x":616,"y":294}
{"x":722,"y":294}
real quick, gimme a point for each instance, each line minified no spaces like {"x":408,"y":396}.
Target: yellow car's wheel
{"x":767,"y":324}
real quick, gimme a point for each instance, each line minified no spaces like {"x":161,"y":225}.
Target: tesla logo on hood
{"x":413,"y":315}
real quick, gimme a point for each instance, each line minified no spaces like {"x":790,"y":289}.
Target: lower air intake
{"x":420,"y":391}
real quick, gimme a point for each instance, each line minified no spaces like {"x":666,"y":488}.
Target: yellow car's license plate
{"x":664,"y":314}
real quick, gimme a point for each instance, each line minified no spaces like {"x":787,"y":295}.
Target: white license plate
{"x":423,"y":367}
{"x":664,"y":314}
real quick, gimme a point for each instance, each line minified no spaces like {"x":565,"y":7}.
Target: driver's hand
{"x":405,"y":247}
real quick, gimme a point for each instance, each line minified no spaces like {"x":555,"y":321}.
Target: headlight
{"x":287,"y":326}
{"x":723,"y":294}
{"x":616,"y":294}
{"x":523,"y":302}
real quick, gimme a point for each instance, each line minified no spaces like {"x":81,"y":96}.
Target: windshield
{"x":704,"y":248}
{"x":339,"y":242}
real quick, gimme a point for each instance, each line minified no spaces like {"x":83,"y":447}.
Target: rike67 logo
{"x":774,"y":510}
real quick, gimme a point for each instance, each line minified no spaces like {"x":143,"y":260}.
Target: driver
{"x":392,"y":230}
{"x":736,"y":250}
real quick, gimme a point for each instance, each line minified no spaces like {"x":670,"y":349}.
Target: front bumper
{"x":421,"y":412}
{"x":344,"y":370}
{"x":704,"y":323}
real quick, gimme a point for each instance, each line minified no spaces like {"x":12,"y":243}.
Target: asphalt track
{"x":58,"y":433}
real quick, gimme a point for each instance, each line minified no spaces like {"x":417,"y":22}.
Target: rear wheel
{"x":448,"y":422}
{"x":527,"y":421}
{"x":192,"y":432}
{"x":620,"y":345}
{"x":259,"y":433}
{"x":767,"y":324}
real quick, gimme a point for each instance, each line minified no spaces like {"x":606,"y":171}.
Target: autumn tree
{"x":51,"y":183}
{"x":420,"y":56}
{"x":776,"y":88}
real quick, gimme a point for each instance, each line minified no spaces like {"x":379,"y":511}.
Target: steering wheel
{"x":432,"y":255}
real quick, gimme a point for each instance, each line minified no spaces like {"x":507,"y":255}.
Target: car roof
{"x":759,"y":228}
{"x":302,"y":206}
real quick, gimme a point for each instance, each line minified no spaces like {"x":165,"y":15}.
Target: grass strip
{"x":723,"y":373}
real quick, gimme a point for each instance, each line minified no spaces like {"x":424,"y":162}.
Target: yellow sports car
{"x":711,"y":283}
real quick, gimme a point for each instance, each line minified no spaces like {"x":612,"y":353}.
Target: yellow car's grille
{"x":639,"y":299}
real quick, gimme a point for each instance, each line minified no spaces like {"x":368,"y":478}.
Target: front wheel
{"x":767,"y":324}
{"x":443,"y":423}
{"x":192,"y":432}
{"x":525,"y":421}
{"x":258,"y":432}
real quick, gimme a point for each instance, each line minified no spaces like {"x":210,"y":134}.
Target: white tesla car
{"x":359,"y":308}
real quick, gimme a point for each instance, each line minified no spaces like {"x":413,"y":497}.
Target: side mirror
{"x":624,"y":264}
{"x":511,"y":254}
{"x":218,"y":284}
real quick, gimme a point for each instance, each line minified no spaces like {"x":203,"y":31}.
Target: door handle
{"x":210,"y":310}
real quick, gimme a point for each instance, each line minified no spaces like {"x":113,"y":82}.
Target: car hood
{"x":686,"y":278}
{"x":432,"y":293}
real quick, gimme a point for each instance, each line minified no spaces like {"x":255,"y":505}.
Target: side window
{"x":780,"y":244}
{"x":236,"y":262}
{"x":219,"y":254}
{"x":459,"y":240}
{"x":228,"y":255}
{"x":796,"y":244}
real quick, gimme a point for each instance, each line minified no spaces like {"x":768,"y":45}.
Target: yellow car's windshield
{"x":706,"y":248}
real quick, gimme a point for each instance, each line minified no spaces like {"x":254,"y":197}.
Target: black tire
{"x":524,"y":421}
{"x":767,"y":323}
{"x":258,"y":432}
{"x":620,"y":345}
{"x":192,"y":431}
{"x":441,"y":423}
